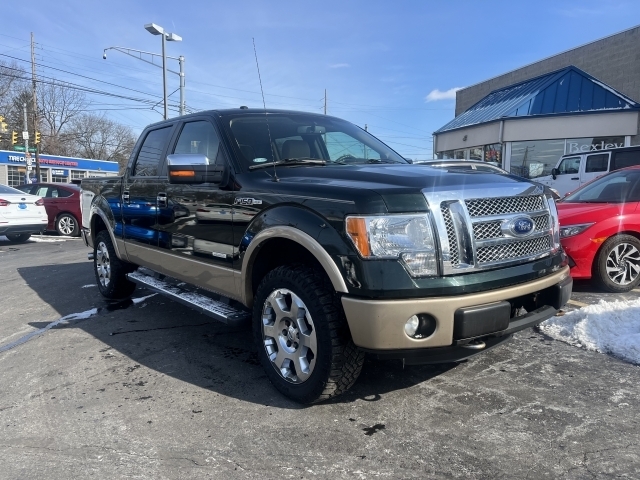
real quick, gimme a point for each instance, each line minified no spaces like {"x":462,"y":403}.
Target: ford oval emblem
{"x":520,"y":226}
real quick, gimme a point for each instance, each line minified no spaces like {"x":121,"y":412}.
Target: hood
{"x":390,"y":178}
{"x":576,"y":213}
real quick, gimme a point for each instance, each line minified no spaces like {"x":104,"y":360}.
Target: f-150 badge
{"x":247,"y":201}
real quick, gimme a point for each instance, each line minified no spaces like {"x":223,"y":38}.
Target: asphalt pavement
{"x":147,"y":388}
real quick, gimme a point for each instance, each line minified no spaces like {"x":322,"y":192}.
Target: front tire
{"x":67,"y":225}
{"x":110,"y":271}
{"x":18,"y":237}
{"x":302,"y":336}
{"x":617,"y":267}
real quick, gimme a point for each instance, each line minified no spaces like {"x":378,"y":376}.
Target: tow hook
{"x":475,"y":345}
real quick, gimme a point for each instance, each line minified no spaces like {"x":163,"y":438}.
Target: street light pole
{"x":166,"y":36}
{"x":182,"y":106}
{"x":164,"y":75}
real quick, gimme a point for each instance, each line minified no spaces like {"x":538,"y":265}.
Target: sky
{"x":392,"y":66}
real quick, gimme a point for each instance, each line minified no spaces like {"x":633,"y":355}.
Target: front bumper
{"x":31,"y":228}
{"x":378,"y":325}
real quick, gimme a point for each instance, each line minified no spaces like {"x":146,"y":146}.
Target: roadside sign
{"x":29,"y":161}
{"x":18,"y":148}
{"x":29,"y":168}
{"x":25,"y":135}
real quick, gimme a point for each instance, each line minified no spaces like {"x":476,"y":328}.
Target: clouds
{"x":436,"y":95}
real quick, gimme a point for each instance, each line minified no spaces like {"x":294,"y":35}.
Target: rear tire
{"x":617,"y":267}
{"x":110,"y":271}
{"x":67,"y":225}
{"x":302,"y":336}
{"x":18,"y":237}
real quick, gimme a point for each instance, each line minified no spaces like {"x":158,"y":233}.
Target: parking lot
{"x":146,"y":388}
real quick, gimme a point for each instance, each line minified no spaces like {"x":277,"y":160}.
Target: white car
{"x":21,"y":214}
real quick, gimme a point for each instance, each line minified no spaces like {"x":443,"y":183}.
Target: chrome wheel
{"x":66,"y":225}
{"x":289,"y":336}
{"x":623,"y":263}
{"x":103,"y":264}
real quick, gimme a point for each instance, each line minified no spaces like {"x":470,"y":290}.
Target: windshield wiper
{"x":380,"y":160}
{"x":291,"y":161}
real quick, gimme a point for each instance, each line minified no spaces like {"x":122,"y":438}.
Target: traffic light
{"x":3,"y":125}
{"x":14,"y":138}
{"x":37,"y":139}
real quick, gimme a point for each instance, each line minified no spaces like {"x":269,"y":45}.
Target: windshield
{"x":619,"y":187}
{"x":306,"y":137}
{"x":8,"y":190}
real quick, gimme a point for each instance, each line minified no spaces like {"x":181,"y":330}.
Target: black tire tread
{"x":346,"y":358}
{"x":120,"y":286}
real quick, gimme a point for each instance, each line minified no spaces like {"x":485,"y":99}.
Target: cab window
{"x":199,"y":137}
{"x":569,"y":165}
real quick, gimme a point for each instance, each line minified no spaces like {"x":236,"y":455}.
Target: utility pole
{"x":182,"y":105}
{"x":35,"y":106}
{"x":325,"y":101}
{"x":25,"y":136}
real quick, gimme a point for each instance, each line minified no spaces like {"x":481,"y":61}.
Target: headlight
{"x":407,"y":237}
{"x":571,"y":230}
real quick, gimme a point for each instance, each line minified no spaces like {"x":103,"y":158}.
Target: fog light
{"x":411,"y":327}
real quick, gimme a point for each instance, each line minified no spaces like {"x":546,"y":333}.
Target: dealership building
{"x":13,"y":168}
{"x":580,"y":100}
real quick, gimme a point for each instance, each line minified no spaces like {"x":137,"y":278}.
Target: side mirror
{"x":193,"y":168}
{"x":554,"y":173}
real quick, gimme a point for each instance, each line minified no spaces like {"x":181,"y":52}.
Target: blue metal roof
{"x":564,"y":91}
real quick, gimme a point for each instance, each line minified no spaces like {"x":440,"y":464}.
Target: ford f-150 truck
{"x":327,"y":242}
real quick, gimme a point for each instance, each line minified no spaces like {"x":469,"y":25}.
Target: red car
{"x":62,"y":202}
{"x":600,"y":230}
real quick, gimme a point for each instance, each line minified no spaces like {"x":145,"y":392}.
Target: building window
{"x":16,"y":176}
{"x":44,"y":175}
{"x":535,"y":158}
{"x":493,"y":154}
{"x":592,"y":144}
{"x":77,"y":174}
{"x":475,"y":153}
{"x":458,"y":154}
{"x":446,"y":155}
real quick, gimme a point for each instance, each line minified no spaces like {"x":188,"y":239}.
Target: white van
{"x":576,"y":169}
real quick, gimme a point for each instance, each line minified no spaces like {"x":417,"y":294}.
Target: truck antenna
{"x":273,"y":158}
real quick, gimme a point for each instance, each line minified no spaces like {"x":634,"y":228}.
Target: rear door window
{"x":199,"y":138}
{"x":150,"y":155}
{"x":597,"y":163}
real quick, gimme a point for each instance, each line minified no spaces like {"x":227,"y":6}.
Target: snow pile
{"x":608,"y":327}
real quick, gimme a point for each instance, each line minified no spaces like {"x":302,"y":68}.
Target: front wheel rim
{"x":66,"y":225}
{"x":289,"y":336}
{"x":103,"y":264}
{"x":623,"y":264}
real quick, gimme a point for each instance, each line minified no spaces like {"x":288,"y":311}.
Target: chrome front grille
{"x":508,"y":251}
{"x":484,"y":207}
{"x":478,"y":233}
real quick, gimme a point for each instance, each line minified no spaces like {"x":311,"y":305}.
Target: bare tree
{"x":58,"y":105}
{"x":95,"y":136}
{"x":13,"y":91}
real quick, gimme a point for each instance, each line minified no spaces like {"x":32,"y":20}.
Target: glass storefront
{"x":488,"y":153}
{"x":582,"y":145}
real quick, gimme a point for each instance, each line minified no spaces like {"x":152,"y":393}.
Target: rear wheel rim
{"x":289,"y":336}
{"x":66,"y":225}
{"x":623,"y":264}
{"x":103,"y":264}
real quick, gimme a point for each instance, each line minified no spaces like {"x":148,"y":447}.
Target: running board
{"x":213,"y":308}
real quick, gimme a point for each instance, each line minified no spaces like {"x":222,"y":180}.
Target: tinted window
{"x":150,"y":154}
{"x":43,"y":191}
{"x":198,"y":137}
{"x":63,"y":193}
{"x":625,"y":159}
{"x":26,"y":188}
{"x":597,"y":163}
{"x":569,"y":165}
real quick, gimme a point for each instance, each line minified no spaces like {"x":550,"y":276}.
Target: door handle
{"x":125,"y":196}
{"x":162,"y":199}
{"x":575,"y":178}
